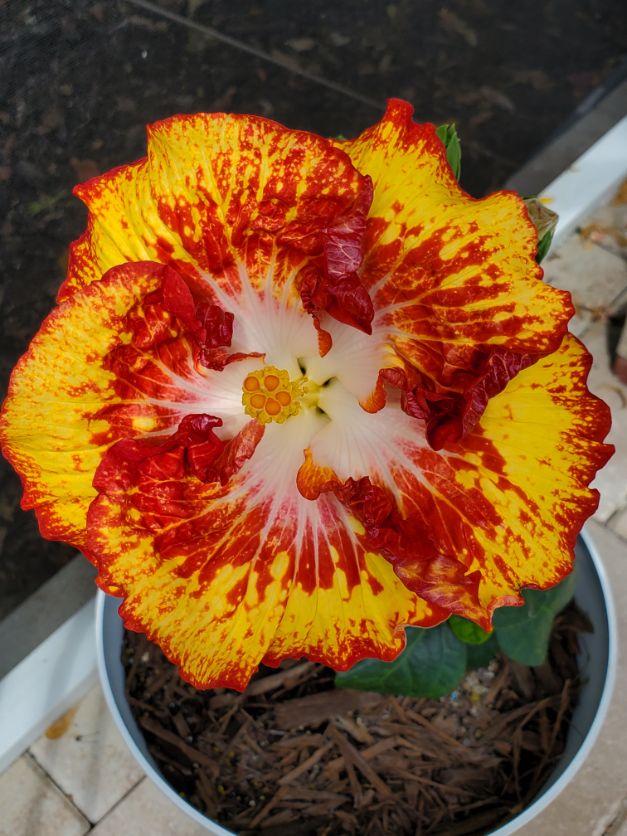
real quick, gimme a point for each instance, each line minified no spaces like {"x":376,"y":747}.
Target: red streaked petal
{"x":451,"y":416}
{"x":115,"y":361}
{"x":329,"y":282}
{"x":219,"y":193}
{"x":451,"y":413}
{"x":223,"y":577}
{"x":452,"y":278}
{"x":471,"y":525}
{"x":193,"y":449}
{"x":513,"y":494}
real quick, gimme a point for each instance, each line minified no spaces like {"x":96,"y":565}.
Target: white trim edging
{"x":588,"y":181}
{"x":47,"y":683}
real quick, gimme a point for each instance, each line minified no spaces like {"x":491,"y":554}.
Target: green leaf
{"x":480,"y":655}
{"x":545,"y":221}
{"x":430,"y":666}
{"x":544,"y":245}
{"x":467,"y":631}
{"x":448,"y":135}
{"x":523,"y":633}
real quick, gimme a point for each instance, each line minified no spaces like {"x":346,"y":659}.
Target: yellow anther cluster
{"x":269,"y":395}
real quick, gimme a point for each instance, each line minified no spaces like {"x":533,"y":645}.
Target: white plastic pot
{"x":597,"y":662}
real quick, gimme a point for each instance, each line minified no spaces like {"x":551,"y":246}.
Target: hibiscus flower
{"x":300,"y":393}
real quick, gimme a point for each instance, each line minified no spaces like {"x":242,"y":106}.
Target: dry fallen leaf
{"x":300,"y":44}
{"x":497,"y":97}
{"x":453,"y":24}
{"x":60,"y":726}
{"x":621,"y":194}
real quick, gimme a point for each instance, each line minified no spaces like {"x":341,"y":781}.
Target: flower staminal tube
{"x":300,"y":393}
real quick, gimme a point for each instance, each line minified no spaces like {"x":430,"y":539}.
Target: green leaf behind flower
{"x":448,"y":135}
{"x":545,"y":221}
{"x":467,"y":631}
{"x":523,"y":633}
{"x":431,"y":666}
{"x":436,"y":659}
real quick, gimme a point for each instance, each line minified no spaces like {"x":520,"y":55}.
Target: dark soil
{"x":293,"y":751}
{"x":80,"y":78}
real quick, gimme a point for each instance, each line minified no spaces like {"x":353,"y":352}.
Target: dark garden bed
{"x":80,"y":78}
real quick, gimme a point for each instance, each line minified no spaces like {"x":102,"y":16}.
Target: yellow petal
{"x":217,"y":193}
{"x":506,"y":503}
{"x":79,"y":388}
{"x":447,"y":272}
{"x":224,"y":577}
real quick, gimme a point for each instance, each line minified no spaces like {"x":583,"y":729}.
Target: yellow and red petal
{"x":221,"y":193}
{"x":223,"y":578}
{"x":358,"y":607}
{"x":536,"y":451}
{"x":448,"y":413}
{"x":451,"y":278}
{"x":114,"y":361}
{"x":470,"y":526}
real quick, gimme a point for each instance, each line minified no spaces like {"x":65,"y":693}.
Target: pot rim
{"x":523,"y":818}
{"x":551,"y":793}
{"x":128,"y":737}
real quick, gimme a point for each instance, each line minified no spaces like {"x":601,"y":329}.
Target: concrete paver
{"x":607,"y":226}
{"x":158,"y":816}
{"x":622,"y":829}
{"x":31,"y":805}
{"x":86,"y":757}
{"x":612,"y":480}
{"x":594,"y":276}
{"x":618,"y":524}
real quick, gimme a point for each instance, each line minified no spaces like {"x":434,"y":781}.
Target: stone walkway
{"x":78,"y":777}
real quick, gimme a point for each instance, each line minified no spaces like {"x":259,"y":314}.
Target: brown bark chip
{"x":293,"y":754}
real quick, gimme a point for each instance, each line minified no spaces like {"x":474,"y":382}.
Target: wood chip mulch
{"x":295,"y":755}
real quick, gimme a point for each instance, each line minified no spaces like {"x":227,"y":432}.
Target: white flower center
{"x":323,"y":412}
